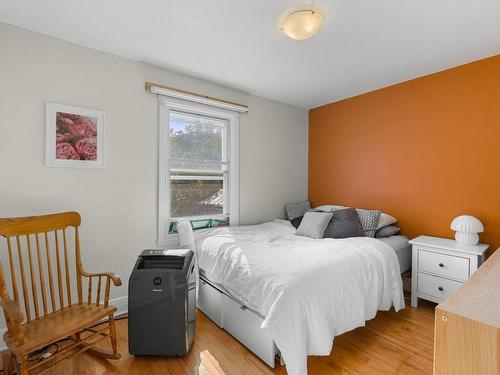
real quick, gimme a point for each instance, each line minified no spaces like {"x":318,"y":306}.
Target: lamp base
{"x":467,"y":238}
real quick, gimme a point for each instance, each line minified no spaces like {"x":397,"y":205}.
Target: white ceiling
{"x":365,"y":44}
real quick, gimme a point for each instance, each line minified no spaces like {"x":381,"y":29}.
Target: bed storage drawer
{"x":210,"y":302}
{"x":244,"y":325}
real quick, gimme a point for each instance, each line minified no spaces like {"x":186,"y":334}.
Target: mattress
{"x":399,"y":243}
{"x":402,"y":248}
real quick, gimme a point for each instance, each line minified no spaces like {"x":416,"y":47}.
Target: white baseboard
{"x":121,"y":303}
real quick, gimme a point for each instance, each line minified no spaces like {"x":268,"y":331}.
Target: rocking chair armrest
{"x":113,"y":276}
{"x":12,"y":308}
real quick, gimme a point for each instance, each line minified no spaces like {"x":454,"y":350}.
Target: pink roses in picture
{"x":73,"y":136}
{"x":76,"y":137}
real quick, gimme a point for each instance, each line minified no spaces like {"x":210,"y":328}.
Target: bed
{"x":279,"y":293}
{"x":402,"y":248}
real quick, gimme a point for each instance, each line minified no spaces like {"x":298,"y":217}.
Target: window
{"x":198,"y":176}
{"x":198,"y":166}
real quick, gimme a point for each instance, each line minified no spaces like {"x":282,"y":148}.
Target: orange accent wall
{"x":425,"y":150}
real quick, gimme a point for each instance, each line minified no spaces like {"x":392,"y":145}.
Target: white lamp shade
{"x":467,"y":224}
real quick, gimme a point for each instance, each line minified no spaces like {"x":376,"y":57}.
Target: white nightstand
{"x":441,"y":265}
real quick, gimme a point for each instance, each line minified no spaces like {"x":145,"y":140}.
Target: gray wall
{"x":119,"y":202}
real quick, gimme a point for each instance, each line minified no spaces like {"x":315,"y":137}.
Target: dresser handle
{"x":440,"y":288}
{"x":441,"y":265}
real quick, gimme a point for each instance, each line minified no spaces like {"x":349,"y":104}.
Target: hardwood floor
{"x":392,"y":343}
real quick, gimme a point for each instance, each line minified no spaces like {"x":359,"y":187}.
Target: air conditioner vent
{"x":162,"y":262}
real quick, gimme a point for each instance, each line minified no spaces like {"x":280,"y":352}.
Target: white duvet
{"x":308,"y":290}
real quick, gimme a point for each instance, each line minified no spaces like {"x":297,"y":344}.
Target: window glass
{"x":196,"y":198}
{"x":197,"y":165}
{"x":196,"y":142}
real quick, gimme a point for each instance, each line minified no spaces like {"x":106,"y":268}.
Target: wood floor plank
{"x":392,"y":343}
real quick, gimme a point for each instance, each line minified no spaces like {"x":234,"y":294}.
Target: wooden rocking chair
{"x":41,"y":245}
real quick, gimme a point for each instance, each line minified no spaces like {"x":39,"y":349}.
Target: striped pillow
{"x":369,"y":221}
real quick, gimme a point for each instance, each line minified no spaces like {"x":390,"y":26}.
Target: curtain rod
{"x":205,"y":99}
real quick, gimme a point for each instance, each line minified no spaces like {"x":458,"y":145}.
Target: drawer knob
{"x":440,"y":288}
{"x":441,"y":265}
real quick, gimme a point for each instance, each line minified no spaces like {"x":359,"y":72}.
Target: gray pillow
{"x":296,"y":221}
{"x":387,"y":231}
{"x":369,"y":221}
{"x":294,"y":210}
{"x":344,"y":223}
{"x":313,"y":224}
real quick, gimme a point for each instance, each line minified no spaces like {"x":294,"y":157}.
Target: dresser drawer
{"x":443,"y":265}
{"x":436,"y":286}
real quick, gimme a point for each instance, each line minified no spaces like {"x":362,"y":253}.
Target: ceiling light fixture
{"x":302,"y":23}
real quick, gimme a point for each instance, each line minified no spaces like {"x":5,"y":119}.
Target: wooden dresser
{"x":467,"y":334}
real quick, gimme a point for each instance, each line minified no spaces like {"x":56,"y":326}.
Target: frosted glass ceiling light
{"x":302,"y":23}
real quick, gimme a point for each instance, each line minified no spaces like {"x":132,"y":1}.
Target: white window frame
{"x":165,"y":106}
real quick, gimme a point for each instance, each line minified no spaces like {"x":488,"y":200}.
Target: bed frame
{"x":230,"y":314}
{"x":239,"y":321}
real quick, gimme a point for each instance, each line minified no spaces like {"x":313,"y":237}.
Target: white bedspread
{"x":308,"y":290}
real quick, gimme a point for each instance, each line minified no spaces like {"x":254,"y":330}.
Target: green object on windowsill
{"x":201,"y":224}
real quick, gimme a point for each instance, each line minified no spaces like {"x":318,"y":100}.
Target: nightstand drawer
{"x":443,"y":265}
{"x":436,"y":286}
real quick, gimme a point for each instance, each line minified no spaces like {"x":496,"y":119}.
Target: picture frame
{"x":74,"y":136}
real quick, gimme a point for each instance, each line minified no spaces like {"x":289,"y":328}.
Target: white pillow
{"x":186,"y":236}
{"x":313,"y":224}
{"x":329,"y":207}
{"x":385,"y":220}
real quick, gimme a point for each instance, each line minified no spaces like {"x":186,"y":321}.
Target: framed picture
{"x":74,"y":137}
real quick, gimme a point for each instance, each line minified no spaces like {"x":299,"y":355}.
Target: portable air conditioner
{"x":162,"y":303}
